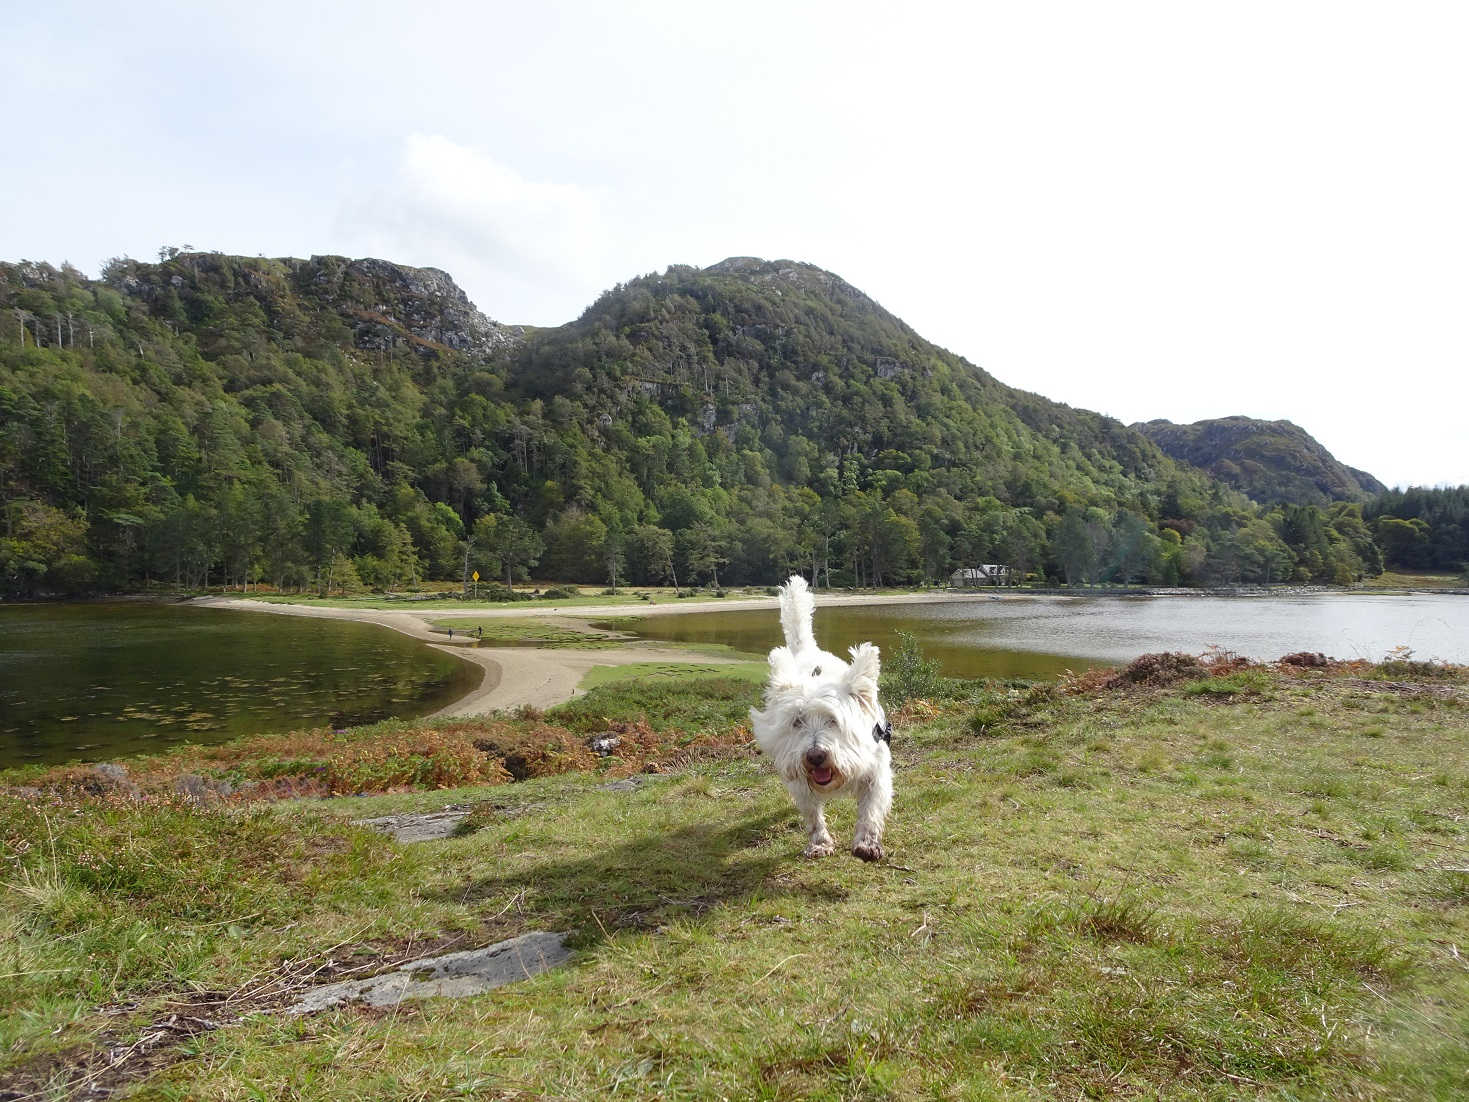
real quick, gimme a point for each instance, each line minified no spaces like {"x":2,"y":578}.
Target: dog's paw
{"x":820,"y":849}
{"x":868,"y":851}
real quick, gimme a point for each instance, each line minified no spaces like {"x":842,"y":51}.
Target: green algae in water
{"x":215,"y":674}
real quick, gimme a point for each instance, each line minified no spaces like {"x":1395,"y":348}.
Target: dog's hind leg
{"x":814,"y":814}
{"x":873,"y":803}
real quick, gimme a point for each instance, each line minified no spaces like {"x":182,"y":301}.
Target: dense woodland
{"x":338,"y":425}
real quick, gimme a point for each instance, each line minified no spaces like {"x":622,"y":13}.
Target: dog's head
{"x":819,"y":716}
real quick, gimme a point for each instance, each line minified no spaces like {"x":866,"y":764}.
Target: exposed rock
{"x":429,"y":826}
{"x":453,"y":976}
{"x":202,"y":790}
{"x":627,"y":784}
{"x":604,"y":743}
{"x":384,"y":299}
{"x":110,"y":778}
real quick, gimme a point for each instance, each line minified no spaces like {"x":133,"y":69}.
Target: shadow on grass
{"x":649,"y":880}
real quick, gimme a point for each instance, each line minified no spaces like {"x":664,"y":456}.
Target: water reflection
{"x":94,"y":681}
{"x":1000,"y":636}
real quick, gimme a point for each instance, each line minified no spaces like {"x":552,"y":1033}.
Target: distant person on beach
{"x":451,"y":633}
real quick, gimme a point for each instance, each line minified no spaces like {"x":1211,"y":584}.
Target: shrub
{"x":908,"y":675}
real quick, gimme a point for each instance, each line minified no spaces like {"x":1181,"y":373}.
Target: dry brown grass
{"x":388,"y":757}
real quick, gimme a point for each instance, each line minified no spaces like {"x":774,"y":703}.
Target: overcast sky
{"x":1153,"y":210}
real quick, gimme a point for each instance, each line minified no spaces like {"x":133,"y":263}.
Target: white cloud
{"x":521,"y":247}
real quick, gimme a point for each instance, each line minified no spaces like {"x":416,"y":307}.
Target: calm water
{"x":95,"y":681}
{"x":1041,"y":636}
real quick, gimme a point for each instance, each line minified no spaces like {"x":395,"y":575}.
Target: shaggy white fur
{"x":823,"y":728}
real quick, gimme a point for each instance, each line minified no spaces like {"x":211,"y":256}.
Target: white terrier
{"x":824,"y":729}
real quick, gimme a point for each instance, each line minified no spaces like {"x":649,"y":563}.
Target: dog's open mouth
{"x":820,"y":775}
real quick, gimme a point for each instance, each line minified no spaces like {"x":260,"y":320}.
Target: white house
{"x":972,"y":577}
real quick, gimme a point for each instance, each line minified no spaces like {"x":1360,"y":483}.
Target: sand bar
{"x":544,"y":677}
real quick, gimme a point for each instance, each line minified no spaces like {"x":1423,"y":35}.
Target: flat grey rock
{"x":627,"y":784}
{"x":425,"y":827}
{"x":453,"y":976}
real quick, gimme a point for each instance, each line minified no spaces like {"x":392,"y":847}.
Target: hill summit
{"x":1274,"y":462}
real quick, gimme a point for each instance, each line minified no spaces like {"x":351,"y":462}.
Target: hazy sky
{"x":1153,"y":210}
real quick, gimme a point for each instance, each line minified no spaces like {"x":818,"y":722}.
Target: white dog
{"x":824,"y":729}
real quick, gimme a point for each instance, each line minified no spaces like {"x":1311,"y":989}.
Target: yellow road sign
{"x":476,"y":575}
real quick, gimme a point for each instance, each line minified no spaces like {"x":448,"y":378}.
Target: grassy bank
{"x":527,"y":597}
{"x":1395,"y":581}
{"x":1186,"y":883}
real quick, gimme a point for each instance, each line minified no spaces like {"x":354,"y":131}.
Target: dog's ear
{"x":861,"y":677}
{"x":783,"y":671}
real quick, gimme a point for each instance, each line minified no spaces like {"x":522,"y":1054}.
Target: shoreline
{"x":543,"y":677}
{"x":540,"y":677}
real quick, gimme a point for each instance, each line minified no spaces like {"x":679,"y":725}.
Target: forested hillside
{"x":1274,"y":462}
{"x":337,"y":424}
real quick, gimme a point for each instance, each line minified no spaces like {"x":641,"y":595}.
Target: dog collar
{"x":883,"y":732}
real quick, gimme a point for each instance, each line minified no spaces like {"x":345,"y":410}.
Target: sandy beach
{"x":544,"y":677}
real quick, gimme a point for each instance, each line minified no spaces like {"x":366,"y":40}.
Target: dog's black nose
{"x":815,"y":757}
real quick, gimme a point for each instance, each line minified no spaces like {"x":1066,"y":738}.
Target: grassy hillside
{"x":1245,"y":882}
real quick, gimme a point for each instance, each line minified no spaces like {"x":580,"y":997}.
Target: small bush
{"x":1158,"y":670}
{"x":908,"y":675}
{"x":496,"y":592}
{"x":560,"y":593}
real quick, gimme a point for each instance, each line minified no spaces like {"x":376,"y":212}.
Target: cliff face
{"x":380,"y":303}
{"x":1273,"y":462}
{"x":383,"y":301}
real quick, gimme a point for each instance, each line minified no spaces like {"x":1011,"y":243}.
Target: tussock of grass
{"x":1123,"y":919}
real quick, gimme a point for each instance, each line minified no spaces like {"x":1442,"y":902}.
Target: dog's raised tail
{"x":797,"y":606}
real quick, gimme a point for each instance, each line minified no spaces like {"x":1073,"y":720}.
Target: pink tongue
{"x":821,"y":776}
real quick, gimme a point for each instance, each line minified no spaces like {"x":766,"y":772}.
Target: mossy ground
{"x":1154,"y":892}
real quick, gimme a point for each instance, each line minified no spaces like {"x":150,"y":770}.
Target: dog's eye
{"x":816,"y":671}
{"x":798,"y":722}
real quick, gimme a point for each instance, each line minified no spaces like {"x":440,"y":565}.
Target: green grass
{"x":1393,"y":579}
{"x":711,"y":700}
{"x":494,"y":631}
{"x":1146,"y":893}
{"x":663,"y":672}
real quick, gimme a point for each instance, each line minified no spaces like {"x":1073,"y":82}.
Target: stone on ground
{"x":425,"y":827}
{"x":453,"y":976}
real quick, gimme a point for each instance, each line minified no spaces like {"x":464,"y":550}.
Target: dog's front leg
{"x":873,"y":802}
{"x":814,"y":813}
